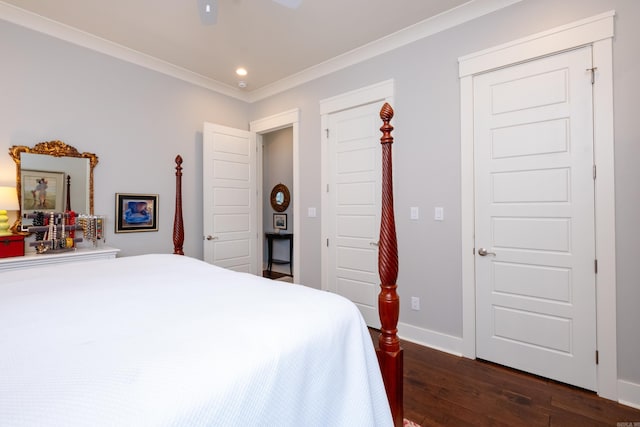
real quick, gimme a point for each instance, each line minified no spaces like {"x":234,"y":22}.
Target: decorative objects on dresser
{"x":11,"y":245}
{"x":8,"y":202}
{"x":92,"y":228}
{"x":43,"y":179}
{"x":56,"y":231}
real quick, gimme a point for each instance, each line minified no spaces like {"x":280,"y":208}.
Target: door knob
{"x":210,"y":237}
{"x":484,"y":252}
{"x":373,"y":243}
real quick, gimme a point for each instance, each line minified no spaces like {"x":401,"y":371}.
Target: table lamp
{"x":8,"y":202}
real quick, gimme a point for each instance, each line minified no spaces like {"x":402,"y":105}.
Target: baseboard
{"x":428,"y":338}
{"x":629,"y":394}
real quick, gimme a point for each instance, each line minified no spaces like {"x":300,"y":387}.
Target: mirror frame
{"x":50,"y":148}
{"x":287,"y":198}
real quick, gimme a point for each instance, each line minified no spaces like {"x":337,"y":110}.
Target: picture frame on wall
{"x":279,"y":221}
{"x":136,"y":212}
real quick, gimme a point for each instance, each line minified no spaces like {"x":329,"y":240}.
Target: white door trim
{"x":598,"y":32}
{"x":383,"y":91}
{"x":290,"y":118}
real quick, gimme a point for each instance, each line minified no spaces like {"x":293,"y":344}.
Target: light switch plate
{"x":311,"y":212}
{"x":415,"y":213}
{"x":439,"y":214}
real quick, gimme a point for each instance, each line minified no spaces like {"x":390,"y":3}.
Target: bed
{"x":167,"y":340}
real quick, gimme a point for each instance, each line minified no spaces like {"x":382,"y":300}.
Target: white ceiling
{"x":271,"y":41}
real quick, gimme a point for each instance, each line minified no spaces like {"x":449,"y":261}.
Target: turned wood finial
{"x":386,"y":114}
{"x":388,"y":252}
{"x":390,"y":354}
{"x":68,"y":207}
{"x":178,"y":226}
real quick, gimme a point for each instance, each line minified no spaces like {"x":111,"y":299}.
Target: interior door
{"x":230,"y":198}
{"x":354,"y":156}
{"x":535,"y":249}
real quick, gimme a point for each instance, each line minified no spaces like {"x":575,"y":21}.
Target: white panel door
{"x":354,"y":207}
{"x":229,"y":199}
{"x":535,"y":288}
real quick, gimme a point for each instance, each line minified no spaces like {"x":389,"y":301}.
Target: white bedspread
{"x":166,"y":340}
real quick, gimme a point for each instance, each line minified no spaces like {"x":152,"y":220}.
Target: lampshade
{"x":9,"y":199}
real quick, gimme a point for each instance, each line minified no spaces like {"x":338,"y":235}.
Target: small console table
{"x":279,"y":236}
{"x":33,"y":260}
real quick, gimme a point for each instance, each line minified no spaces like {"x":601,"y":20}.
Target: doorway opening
{"x":283,"y":126}
{"x":277,"y":212}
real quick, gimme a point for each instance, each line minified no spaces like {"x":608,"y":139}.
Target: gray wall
{"x":137,"y":120}
{"x":427,"y":146}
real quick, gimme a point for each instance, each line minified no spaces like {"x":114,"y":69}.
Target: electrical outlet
{"x":415,"y":303}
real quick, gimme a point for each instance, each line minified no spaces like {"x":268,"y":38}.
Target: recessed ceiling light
{"x":241,"y":71}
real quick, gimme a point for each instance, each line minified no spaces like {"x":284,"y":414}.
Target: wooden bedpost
{"x":178,"y":226}
{"x":68,"y":207}
{"x":389,"y":351}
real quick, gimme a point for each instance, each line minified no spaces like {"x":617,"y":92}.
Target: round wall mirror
{"x":280,"y":198}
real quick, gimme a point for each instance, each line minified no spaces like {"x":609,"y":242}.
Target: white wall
{"x":135,"y":120}
{"x":427,"y":158}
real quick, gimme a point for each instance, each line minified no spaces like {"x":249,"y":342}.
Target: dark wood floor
{"x":273,"y":274}
{"x":445,"y":390}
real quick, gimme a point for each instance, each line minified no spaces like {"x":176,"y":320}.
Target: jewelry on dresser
{"x":52,"y":230}
{"x":93,"y":230}
{"x":38,"y":220}
{"x":83,"y":221}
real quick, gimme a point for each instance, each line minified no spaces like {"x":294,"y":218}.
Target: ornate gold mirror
{"x":53,"y":176}
{"x":280,"y":198}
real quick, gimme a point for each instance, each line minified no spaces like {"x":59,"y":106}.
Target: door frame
{"x":290,"y":118}
{"x":383,"y":91}
{"x":597,"y":31}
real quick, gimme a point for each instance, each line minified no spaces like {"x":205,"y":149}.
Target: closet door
{"x":535,"y":241}
{"x":354,"y":158}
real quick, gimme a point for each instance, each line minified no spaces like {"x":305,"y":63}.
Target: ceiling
{"x":271,"y":41}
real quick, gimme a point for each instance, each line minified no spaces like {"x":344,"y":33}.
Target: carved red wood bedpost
{"x":68,"y":207}
{"x":178,"y":226}
{"x":389,"y":351}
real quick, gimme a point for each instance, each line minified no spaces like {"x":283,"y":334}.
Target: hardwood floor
{"x":445,"y":390}
{"x":274,"y":274}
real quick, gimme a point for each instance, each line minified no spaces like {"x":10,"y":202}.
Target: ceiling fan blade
{"x":291,"y":4}
{"x":208,"y":10}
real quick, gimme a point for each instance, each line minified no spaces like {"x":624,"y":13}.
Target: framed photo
{"x":41,"y":191}
{"x":136,"y":212}
{"x":280,"y":221}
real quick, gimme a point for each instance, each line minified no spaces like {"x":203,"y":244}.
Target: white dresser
{"x":33,"y":260}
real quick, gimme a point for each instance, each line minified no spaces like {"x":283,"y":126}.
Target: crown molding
{"x":32,"y":21}
{"x":459,"y":15}
{"x":438,"y":23}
